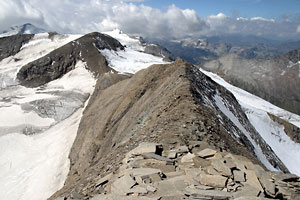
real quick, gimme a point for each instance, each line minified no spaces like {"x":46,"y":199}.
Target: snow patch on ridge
{"x":132,"y":59}
{"x":274,"y":134}
{"x":129,"y":60}
{"x":258,"y":151}
{"x":36,"y":166}
{"x":256,"y":110}
{"x":39,"y":46}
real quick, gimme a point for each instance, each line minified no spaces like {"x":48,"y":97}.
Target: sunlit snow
{"x":132,"y":59}
{"x":273,"y":133}
{"x":35,"y":166}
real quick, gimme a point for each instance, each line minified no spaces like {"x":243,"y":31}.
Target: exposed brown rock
{"x":206,"y":153}
{"x":189,"y":182}
{"x":274,"y":80}
{"x":152,"y":106}
{"x":217,"y":181}
{"x":290,"y":129}
{"x":62,"y":60}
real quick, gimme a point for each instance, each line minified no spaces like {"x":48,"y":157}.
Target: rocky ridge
{"x":172,"y":105}
{"x":149,"y":172}
{"x":10,"y":46}
{"x":179,"y":115}
{"x":62,"y":60}
{"x":274,"y":80}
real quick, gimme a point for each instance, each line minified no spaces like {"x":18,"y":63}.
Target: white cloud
{"x":262,"y":19}
{"x":76,"y":16}
{"x":298,"y":29}
{"x":102,"y":15}
{"x":18,"y":12}
{"x":220,"y":16}
{"x":259,"y":26}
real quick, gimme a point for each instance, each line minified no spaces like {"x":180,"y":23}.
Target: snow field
{"x":36,"y":166}
{"x":273,"y":133}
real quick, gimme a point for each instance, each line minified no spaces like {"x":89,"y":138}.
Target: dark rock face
{"x":275,"y":80}
{"x":158,"y":50}
{"x":168,"y":104}
{"x":62,"y":60}
{"x":291,"y":130}
{"x":11,"y":45}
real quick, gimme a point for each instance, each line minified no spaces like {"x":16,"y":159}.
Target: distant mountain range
{"x":22,"y":29}
{"x":110,"y":116}
{"x":200,"y":50}
{"x":267,"y":68}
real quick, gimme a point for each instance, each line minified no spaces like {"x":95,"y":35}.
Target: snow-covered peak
{"x":23,"y":29}
{"x":132,"y":58}
{"x":129,"y":41}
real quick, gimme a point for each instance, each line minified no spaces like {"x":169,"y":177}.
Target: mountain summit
{"x":108,"y":116}
{"x":22,"y":29}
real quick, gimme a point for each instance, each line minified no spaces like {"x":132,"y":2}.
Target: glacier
{"x":34,"y":146}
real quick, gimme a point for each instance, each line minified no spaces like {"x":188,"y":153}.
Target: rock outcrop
{"x":151,"y":172}
{"x":274,"y":80}
{"x":158,"y":50}
{"x":10,"y":46}
{"x":62,"y":60}
{"x":173,"y":109}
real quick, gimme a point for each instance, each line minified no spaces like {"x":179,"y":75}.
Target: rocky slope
{"x":274,"y":79}
{"x":172,"y":110}
{"x":45,"y":81}
{"x":62,"y":60}
{"x":10,"y":46}
{"x":172,"y":105}
{"x":152,"y":172}
{"x":201,"y":50}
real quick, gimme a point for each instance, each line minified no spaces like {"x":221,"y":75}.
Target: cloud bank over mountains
{"x":76,"y":16}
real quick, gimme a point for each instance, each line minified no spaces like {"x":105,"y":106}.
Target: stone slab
{"x":206,"y":153}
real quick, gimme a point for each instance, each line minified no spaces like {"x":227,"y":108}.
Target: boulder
{"x":157,"y":157}
{"x":267,"y":184}
{"x":221,"y":167}
{"x":138,"y":190}
{"x":144,"y":147}
{"x":171,"y":187}
{"x":247,"y":191}
{"x":285,"y":177}
{"x":252,"y":180}
{"x":188,"y":158}
{"x":201,"y":162}
{"x":170,"y":154}
{"x":211,"y":170}
{"x":104,"y":180}
{"x":181,"y":149}
{"x":141,"y":171}
{"x":213,"y":180}
{"x":250,"y":198}
{"x":238,"y":176}
{"x":150,"y":188}
{"x":207,"y":194}
{"x":206,"y":153}
{"x":123,"y":185}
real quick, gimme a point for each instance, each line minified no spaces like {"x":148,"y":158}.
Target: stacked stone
{"x":193,"y":172}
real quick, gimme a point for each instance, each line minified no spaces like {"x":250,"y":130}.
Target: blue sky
{"x":242,"y":8}
{"x":165,"y":19}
